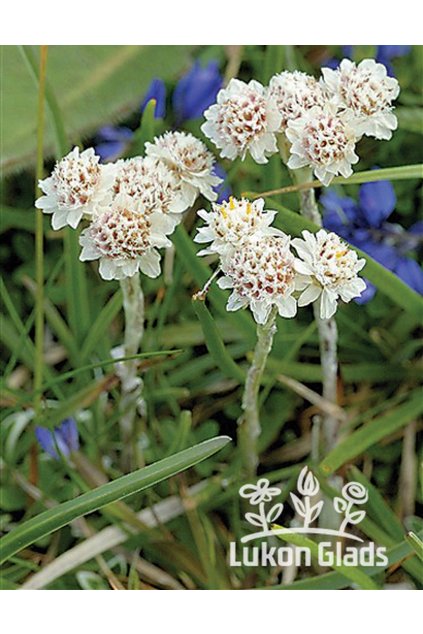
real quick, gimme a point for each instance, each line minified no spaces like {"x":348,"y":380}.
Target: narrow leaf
{"x":214,"y":342}
{"x":371,"y":433}
{"x":54,"y":518}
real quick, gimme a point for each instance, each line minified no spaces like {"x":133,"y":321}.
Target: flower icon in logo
{"x":352,"y":493}
{"x":260,"y":492}
{"x":307,"y":483}
{"x":355,"y":493}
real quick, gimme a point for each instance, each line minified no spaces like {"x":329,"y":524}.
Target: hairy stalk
{"x":328,"y":334}
{"x":39,"y":243}
{"x":249,"y":422}
{"x":133,"y":305}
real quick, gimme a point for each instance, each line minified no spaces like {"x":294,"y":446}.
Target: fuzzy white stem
{"x":249,"y":423}
{"x":133,"y":305}
{"x":328,"y":333}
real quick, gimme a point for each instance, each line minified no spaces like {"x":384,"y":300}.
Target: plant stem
{"x":39,"y":243}
{"x":249,"y":422}
{"x":133,"y":305}
{"x":328,"y":333}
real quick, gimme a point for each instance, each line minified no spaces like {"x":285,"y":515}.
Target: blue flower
{"x":196,"y":91}
{"x":157,"y":91}
{"x":112,"y":142}
{"x":223,"y":190}
{"x":384,"y":55}
{"x":364,"y":224}
{"x":64,"y":437}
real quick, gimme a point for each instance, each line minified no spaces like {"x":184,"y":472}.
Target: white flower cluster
{"x":322,"y":120}
{"x":259,"y":267}
{"x":132,"y":205}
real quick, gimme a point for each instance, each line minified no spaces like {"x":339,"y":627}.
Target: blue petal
{"x":114,"y":133}
{"x":416,"y":228}
{"x":339,"y":214}
{"x":157,"y":91}
{"x":348,"y":50}
{"x":223,"y":190}
{"x":389,"y":51}
{"x":68,"y":431}
{"x":109,"y":151}
{"x":331,"y":62}
{"x":367,"y":294}
{"x":411,"y":273}
{"x":196,"y":91}
{"x":377,"y":201}
{"x":383,"y":253}
{"x":45,"y":439}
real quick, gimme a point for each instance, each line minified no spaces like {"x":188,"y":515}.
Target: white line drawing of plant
{"x":352,"y":493}
{"x":308,"y":486}
{"x":258,"y":495}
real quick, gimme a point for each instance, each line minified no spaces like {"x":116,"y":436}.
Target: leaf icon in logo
{"x":298,"y":505}
{"x":315,"y":511}
{"x":356,"y":517}
{"x":340,"y":505}
{"x":274,"y":512}
{"x":254,"y":519}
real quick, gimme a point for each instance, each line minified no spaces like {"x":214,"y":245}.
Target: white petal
{"x":225,"y":282}
{"x":150,"y":263}
{"x":287,"y":307}
{"x":309,"y":295}
{"x":235,"y":302}
{"x":107,"y":269}
{"x":328,"y":305}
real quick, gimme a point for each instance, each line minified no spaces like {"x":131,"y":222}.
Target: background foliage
{"x":193,"y":389}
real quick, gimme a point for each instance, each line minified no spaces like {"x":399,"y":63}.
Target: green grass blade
{"x":101,"y":325}
{"x":145,"y":131}
{"x":62,"y":145}
{"x":387,"y":173}
{"x":54,"y":518}
{"x":416,"y":544}
{"x":65,"y":376}
{"x":378,"y":508}
{"x":371,"y":433}
{"x":354,"y":574}
{"x":384,"y":280}
{"x":214,"y":342}
{"x":337,"y":581}
{"x":78,"y":307}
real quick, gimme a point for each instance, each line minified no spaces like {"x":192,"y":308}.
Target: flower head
{"x":196,"y":91}
{"x":260,"y":492}
{"x":152,"y":183}
{"x":124,"y":238}
{"x":232,"y":223}
{"x":190,"y":161}
{"x":64,"y":437}
{"x":365,"y":224}
{"x":329,"y":269}
{"x":157,"y":91}
{"x":261,"y":275}
{"x":323,"y":140}
{"x":244,"y":119}
{"x":295,"y":93}
{"x":367,"y":93}
{"x":76,"y":187}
